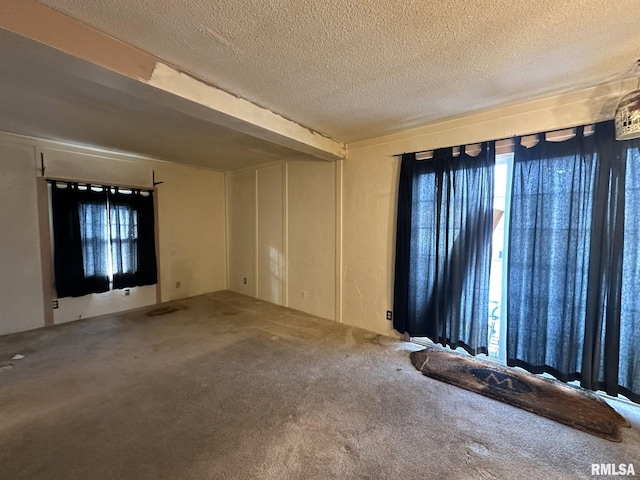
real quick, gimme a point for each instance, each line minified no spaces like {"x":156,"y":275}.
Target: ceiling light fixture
{"x":628,"y":112}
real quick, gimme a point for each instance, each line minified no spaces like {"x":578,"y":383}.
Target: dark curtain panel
{"x":133,"y":252}
{"x":604,"y":289}
{"x":403,"y":322}
{"x":80,"y":240}
{"x":443,"y":247}
{"x":629,"y":352}
{"x":567,"y":243}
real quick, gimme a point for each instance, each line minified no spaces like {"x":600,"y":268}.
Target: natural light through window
{"x":498,"y":276}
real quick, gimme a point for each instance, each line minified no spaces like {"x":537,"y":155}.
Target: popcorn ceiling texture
{"x":356,"y":69}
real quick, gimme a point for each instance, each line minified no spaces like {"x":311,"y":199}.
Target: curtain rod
{"x":560,"y":130}
{"x":94,"y":184}
{"x":455,"y":146}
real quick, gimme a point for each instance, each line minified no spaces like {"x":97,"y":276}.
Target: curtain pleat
{"x":443,"y":247}
{"x":604,"y":288}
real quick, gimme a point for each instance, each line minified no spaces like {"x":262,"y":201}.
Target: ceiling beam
{"x":189,"y":95}
{"x":223,"y":108}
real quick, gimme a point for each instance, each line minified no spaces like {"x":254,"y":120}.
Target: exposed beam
{"x":189,"y":95}
{"x":239,"y":114}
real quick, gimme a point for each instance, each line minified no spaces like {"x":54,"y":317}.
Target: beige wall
{"x":282,"y":226}
{"x":270,"y":261}
{"x":370,"y":180}
{"x":333,"y":222}
{"x":21,"y":296}
{"x":312,"y":237}
{"x":241,"y":232}
{"x":368,"y":234}
{"x":191,"y":231}
{"x":191,"y":226}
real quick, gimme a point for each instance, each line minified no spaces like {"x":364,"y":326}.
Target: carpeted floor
{"x":230,"y":387}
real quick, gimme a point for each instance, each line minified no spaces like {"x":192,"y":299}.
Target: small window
{"x":104,"y":238}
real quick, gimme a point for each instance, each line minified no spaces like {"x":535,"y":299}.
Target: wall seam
{"x":256,"y":234}
{"x":46,"y":254}
{"x":285,"y":233}
{"x":227,"y":261}
{"x":338,"y":252}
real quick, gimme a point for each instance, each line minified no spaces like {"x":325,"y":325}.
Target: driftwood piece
{"x":549,"y":398}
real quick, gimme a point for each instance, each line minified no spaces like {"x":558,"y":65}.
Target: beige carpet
{"x":230,"y":387}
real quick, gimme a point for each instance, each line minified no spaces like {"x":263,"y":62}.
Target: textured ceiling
{"x":48,"y":94}
{"x":356,"y":69}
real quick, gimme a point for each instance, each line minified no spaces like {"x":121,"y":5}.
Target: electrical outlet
{"x":127,"y":292}
{"x":389,"y":315}
{"x":303,"y":294}
{"x":244,"y":280}
{"x":54,"y":304}
{"x":178,"y":283}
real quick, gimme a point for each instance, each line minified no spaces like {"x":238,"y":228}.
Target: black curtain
{"x":443,"y":247}
{"x":573,"y":261}
{"x":80,"y":240}
{"x":133,"y":252}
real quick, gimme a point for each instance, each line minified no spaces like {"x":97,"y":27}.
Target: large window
{"x":103,"y":238}
{"x":563,"y":290}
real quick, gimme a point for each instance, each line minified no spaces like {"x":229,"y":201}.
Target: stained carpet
{"x":236,"y":388}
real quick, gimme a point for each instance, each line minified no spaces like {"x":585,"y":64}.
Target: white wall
{"x":370,"y":181}
{"x":190,"y":218}
{"x":21,"y":296}
{"x":282,"y":229}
